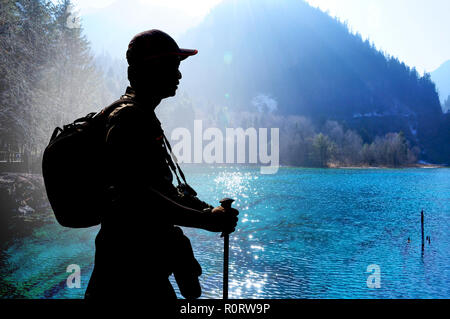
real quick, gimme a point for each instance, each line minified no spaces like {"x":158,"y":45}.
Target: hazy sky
{"x":172,"y":15}
{"x":415,"y":31}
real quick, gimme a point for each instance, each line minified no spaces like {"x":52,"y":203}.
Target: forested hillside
{"x":261,"y":63}
{"x":309,"y":64}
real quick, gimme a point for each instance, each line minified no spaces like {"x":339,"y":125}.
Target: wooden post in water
{"x":421,"y":222}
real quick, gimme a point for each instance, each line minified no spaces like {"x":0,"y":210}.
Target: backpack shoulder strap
{"x":106,"y":112}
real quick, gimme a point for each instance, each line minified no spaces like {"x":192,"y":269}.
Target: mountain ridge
{"x":311,"y":65}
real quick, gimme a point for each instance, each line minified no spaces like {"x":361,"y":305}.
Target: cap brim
{"x":185,"y":53}
{"x":182,"y":53}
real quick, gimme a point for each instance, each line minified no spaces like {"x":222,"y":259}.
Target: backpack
{"x":74,"y":170}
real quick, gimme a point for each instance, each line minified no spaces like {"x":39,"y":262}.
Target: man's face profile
{"x":161,"y":75}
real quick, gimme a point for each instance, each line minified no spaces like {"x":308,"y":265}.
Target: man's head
{"x":153,"y":60}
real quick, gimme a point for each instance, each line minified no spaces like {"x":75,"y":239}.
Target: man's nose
{"x":179,"y":75}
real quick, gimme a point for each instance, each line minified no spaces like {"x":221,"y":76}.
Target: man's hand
{"x":222,"y":220}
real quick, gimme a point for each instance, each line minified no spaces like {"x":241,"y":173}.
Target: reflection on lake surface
{"x":302,"y":233}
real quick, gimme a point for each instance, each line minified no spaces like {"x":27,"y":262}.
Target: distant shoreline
{"x":416,"y":165}
{"x":330,"y":165}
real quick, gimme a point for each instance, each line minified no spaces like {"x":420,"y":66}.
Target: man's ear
{"x":132,"y":74}
{"x":137,"y":75}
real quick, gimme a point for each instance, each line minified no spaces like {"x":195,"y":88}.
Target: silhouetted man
{"x":138,"y":246}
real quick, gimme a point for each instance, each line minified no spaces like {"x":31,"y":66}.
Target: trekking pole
{"x":225,"y":203}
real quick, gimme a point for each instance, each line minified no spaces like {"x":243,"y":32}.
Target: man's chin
{"x":171,"y":92}
{"x":168,"y":92}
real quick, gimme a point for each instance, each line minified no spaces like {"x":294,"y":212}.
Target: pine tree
{"x":70,"y":85}
{"x":24,"y":40}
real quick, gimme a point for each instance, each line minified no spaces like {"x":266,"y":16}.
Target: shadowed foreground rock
{"x":23,"y":204}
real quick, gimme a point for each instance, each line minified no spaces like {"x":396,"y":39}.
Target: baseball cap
{"x":152,"y":44}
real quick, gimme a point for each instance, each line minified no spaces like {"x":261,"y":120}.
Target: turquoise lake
{"x":302,"y":233}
